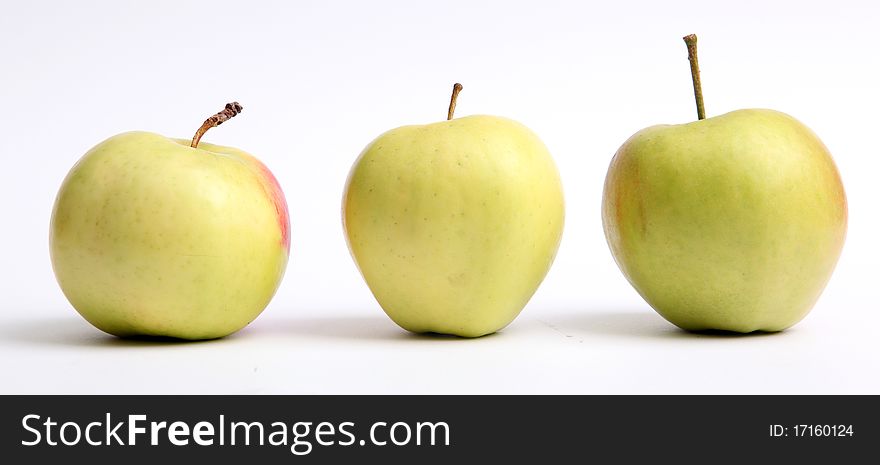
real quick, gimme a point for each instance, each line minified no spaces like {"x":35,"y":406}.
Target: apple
{"x":730,"y":223}
{"x":453,"y":225}
{"x":167,"y":237}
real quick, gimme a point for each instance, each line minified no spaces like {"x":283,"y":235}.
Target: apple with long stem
{"x":454,"y":224}
{"x":728,"y":223}
{"x":169,"y":237}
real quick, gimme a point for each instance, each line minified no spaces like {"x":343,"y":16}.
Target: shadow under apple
{"x":354,"y":328}
{"x":75,"y":332}
{"x":636,"y":323}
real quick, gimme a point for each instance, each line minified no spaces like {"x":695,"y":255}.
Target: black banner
{"x":437,"y":429}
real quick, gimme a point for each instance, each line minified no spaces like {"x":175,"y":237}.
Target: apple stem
{"x":455,"y":90}
{"x":691,"y":41}
{"x":228,"y":112}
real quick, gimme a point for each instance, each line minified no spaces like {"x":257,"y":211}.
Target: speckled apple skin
{"x":454,"y":224}
{"x":151,"y":237}
{"x":731,"y":223}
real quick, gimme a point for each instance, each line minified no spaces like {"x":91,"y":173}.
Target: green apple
{"x":453,"y":225}
{"x":729,"y":223}
{"x":166,"y":237}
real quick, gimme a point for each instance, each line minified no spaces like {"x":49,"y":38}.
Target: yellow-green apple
{"x":728,"y":223}
{"x":453,"y":225}
{"x":168,"y":237}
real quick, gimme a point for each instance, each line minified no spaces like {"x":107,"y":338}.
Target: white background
{"x":320,"y":79}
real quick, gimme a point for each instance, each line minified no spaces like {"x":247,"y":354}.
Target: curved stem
{"x":228,"y":112}
{"x":691,"y":41}
{"x":455,"y":90}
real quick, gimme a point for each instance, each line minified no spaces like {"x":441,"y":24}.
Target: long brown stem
{"x":455,"y":90}
{"x":691,"y":41}
{"x":228,"y":112}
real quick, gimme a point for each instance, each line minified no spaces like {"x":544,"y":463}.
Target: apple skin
{"x":453,"y":225}
{"x":151,"y":237}
{"x":731,"y":223}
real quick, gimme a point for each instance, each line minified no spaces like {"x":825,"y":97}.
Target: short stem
{"x":228,"y":112}
{"x":455,"y":90}
{"x":691,"y":41}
